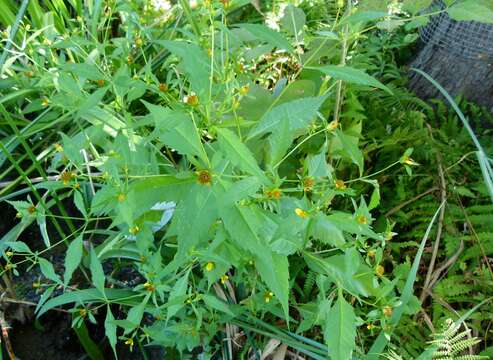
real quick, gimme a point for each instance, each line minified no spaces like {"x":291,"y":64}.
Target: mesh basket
{"x":469,"y":39}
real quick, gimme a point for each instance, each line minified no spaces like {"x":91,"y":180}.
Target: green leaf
{"x":293,"y":20}
{"x":177,"y":130}
{"x":268,"y":35}
{"x":472,"y":10}
{"x":110,"y":330}
{"x":118,"y":296}
{"x":48,"y":270}
{"x":179,"y":289}
{"x":243,"y":224}
{"x":79,"y":203}
{"x":97,"y":273}
{"x":217,"y":304}
{"x":238,"y":153}
{"x":340,"y":330}
{"x":195,"y":62}
{"x":326,"y":231}
{"x":381,"y":342}
{"x":135,"y":314}
{"x":350,"y":148}
{"x":297,"y":113}
{"x":351,"y":75}
{"x":72,"y":259}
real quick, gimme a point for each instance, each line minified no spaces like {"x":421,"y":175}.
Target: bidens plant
{"x":219,"y":181}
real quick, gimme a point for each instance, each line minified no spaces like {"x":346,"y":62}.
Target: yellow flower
{"x":224,"y":278}
{"x":268,"y":296}
{"x":31,"y":209}
{"x":210,"y":266}
{"x":379,"y":270}
{"x":130,"y":59}
{"x":138,"y":42}
{"x":82,"y":313}
{"x":274,"y":193}
{"x":149,"y":287}
{"x":134,"y":230}
{"x":408,"y":161}
{"x":121,"y":197}
{"x":370,"y":326}
{"x":387,"y":311}
{"x":66,"y":177}
{"x":36,"y":285}
{"x":372,"y":253}
{"x":244,"y":90}
{"x":362,"y":220}
{"x":301,"y":213}
{"x":163,"y":87}
{"x":333,"y":125}
{"x":9,"y":253}
{"x":58,"y":147}
{"x":18,"y":215}
{"x":339,"y":184}
{"x":130,"y":343}
{"x":100,"y":82}
{"x":45,"y":102}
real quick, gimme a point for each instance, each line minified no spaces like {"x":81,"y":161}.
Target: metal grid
{"x":469,"y":39}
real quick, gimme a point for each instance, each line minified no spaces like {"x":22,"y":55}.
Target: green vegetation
{"x":236,"y":181}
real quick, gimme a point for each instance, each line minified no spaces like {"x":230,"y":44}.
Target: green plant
{"x":212,"y":183}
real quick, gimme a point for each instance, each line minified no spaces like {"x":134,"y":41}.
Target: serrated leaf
{"x":268,"y":35}
{"x":177,"y":130}
{"x":350,"y":147}
{"x":48,"y":270}
{"x":244,"y":224}
{"x":239,"y":154}
{"x":72,"y":259}
{"x":110,"y":330}
{"x":97,"y":273}
{"x":326,"y":231}
{"x":136,"y":313}
{"x":351,"y":75}
{"x":340,"y":330}
{"x":79,"y":203}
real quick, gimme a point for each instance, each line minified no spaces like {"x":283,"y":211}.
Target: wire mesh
{"x":469,"y":39}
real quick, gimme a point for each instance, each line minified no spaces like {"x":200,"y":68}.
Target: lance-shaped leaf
{"x":340,"y":330}
{"x":265,"y":34}
{"x":351,"y":75}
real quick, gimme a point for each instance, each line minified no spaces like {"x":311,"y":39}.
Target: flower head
{"x":380,"y":270}
{"x":268,"y":295}
{"x":387,"y":311}
{"x":333,"y":125}
{"x":224,"y":278}
{"x":362,"y":220}
{"x":204,"y":177}
{"x":210,"y":266}
{"x":339,"y":184}
{"x":301,"y":213}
